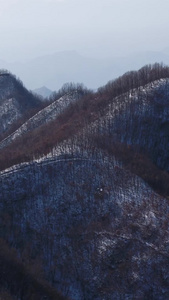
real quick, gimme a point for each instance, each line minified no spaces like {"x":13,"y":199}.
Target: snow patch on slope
{"x":9,"y":113}
{"x":44,"y":116}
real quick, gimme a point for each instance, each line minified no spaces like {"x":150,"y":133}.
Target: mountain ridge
{"x":85,"y":195}
{"x":16,"y":102}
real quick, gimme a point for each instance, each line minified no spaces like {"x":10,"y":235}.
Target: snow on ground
{"x":46,"y":115}
{"x":9,"y":113}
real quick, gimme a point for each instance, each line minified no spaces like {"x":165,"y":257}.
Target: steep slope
{"x":9,"y":113}
{"x":139,"y":119}
{"x":100,"y":232}
{"x":127,"y":111}
{"x":43,"y":117}
{"x":143,"y":121}
{"x":97,"y":230}
{"x":15,"y":101}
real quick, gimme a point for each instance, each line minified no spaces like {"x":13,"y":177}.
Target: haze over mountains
{"x":56,"y":69}
{"x":84,"y":173}
{"x":43,"y":91}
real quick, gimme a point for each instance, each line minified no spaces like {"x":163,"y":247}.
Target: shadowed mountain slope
{"x":16,"y":102}
{"x":84,"y":196}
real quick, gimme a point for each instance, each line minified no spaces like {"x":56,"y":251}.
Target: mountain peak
{"x":43,"y":91}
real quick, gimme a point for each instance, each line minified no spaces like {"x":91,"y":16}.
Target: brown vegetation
{"x":138,"y":163}
{"x":85,"y":110}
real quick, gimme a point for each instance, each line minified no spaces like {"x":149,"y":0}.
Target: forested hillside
{"x":16,"y":103}
{"x":84,"y":193}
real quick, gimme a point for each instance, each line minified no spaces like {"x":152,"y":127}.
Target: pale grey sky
{"x":96,"y":28}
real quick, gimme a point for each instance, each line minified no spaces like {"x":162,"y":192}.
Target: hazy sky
{"x":31,"y":28}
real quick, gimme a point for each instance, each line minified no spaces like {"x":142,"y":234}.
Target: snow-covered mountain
{"x":90,"y":207}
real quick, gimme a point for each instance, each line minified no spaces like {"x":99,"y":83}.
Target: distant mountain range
{"x":43,"y":91}
{"x":69,"y":66}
